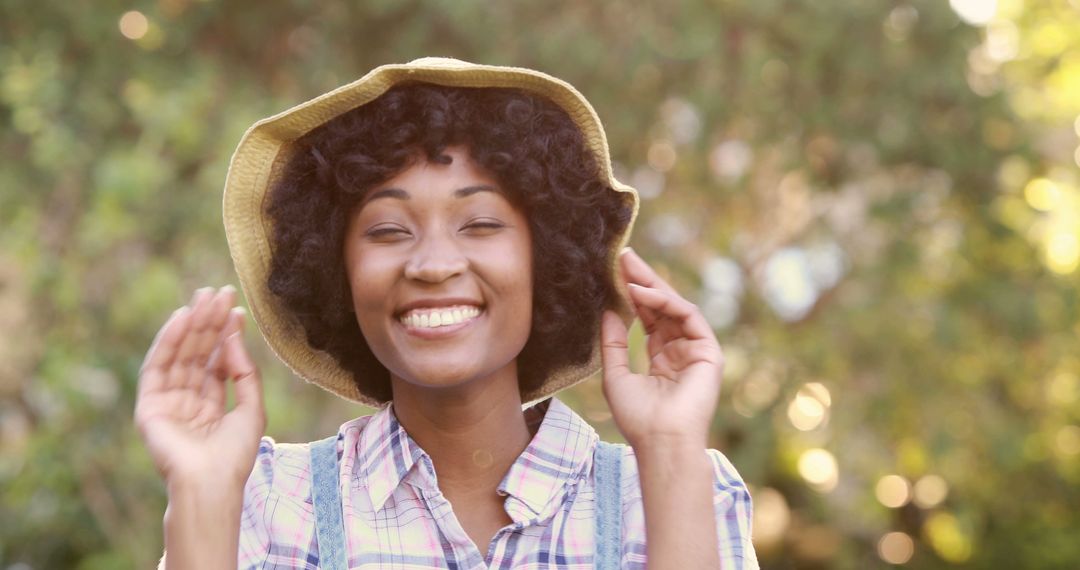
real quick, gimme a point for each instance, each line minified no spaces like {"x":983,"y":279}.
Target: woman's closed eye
{"x":483,"y":226}
{"x":383,"y":232}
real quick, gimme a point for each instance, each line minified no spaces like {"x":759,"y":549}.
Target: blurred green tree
{"x":875,"y":203}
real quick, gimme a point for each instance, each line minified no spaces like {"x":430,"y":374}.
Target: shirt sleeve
{"x":254,"y":534}
{"x":734,"y":515}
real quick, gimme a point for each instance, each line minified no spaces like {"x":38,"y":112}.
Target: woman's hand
{"x":674,"y":403}
{"x":180,"y":407}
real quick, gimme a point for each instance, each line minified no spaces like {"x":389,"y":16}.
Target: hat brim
{"x":264,"y":147}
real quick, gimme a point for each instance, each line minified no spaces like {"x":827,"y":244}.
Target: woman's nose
{"x":435,"y":260}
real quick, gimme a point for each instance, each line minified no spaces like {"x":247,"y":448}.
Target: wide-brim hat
{"x":266,"y":147}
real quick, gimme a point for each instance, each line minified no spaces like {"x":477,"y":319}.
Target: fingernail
{"x":240,"y":310}
{"x":228,"y":289}
{"x":626,"y":250}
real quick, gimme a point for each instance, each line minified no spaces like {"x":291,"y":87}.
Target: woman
{"x":440,"y":240}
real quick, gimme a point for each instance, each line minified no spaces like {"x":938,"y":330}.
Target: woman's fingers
{"x":218,"y":308}
{"x":186,"y":354}
{"x":666,"y":316}
{"x":163,"y":350}
{"x":210,"y":341}
{"x":669,"y":306}
{"x":221,"y":308}
{"x":648,"y":317}
{"x":213,"y":387}
{"x":635,"y":270}
{"x":613,"y":346}
{"x":208,"y":316}
{"x":239,"y":366}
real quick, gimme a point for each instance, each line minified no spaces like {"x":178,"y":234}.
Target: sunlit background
{"x":875,"y":203}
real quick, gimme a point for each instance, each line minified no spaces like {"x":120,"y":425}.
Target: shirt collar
{"x":386,"y":454}
{"x":558,"y":455}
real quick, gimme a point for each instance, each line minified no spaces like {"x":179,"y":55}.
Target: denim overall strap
{"x":608,"y":481}
{"x":326,"y":497}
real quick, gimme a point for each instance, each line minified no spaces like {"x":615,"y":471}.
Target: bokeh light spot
{"x":720,"y":310}
{"x":975,"y":12}
{"x":1002,"y":41}
{"x":662,"y":156}
{"x":1042,"y":194}
{"x":1013,"y":172}
{"x":896,"y":548}
{"x":930,"y":491}
{"x":755,"y":393}
{"x":900,"y":21}
{"x":648,"y":181}
{"x":788,"y":285}
{"x":818,"y":391}
{"x":731,"y":159}
{"x":809,"y":408}
{"x":772,"y":516}
{"x":818,"y":468}
{"x":1062,"y":252}
{"x":947,"y":538}
{"x":893,"y":491}
{"x":133,"y":25}
{"x":1067,"y":441}
{"x":1063,"y":389}
{"x":722,"y":275}
{"x":805,"y":413}
{"x":683,"y":120}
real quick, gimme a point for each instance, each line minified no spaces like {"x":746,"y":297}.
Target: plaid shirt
{"x":395,"y":516}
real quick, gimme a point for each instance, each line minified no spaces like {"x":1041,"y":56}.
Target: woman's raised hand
{"x":676,"y":400}
{"x":180,"y":407}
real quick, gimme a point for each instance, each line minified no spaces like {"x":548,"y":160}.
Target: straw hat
{"x":265,"y":148}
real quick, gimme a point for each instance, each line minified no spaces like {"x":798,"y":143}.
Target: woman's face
{"x":440,"y":267}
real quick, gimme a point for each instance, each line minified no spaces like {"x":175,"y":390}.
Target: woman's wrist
{"x":677,"y":494}
{"x":203,"y":488}
{"x":669,"y":444}
{"x":202,"y":525}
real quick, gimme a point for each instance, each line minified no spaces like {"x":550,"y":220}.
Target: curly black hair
{"x":533,"y":149}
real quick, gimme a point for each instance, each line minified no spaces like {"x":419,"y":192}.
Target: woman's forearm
{"x":676,"y":488}
{"x":202,"y":526}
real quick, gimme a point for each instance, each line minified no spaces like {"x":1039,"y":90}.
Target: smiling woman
{"x":440,"y":240}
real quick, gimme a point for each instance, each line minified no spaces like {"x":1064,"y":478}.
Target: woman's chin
{"x":446,"y":377}
{"x":435,"y":377}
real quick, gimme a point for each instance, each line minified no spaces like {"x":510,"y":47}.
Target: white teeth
{"x":424,"y":318}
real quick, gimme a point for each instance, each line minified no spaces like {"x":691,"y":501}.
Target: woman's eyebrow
{"x":387,"y":193}
{"x":470,"y":190}
{"x":400,"y":194}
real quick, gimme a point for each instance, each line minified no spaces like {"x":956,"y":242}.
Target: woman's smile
{"x":435,"y":318}
{"x":440,"y":321}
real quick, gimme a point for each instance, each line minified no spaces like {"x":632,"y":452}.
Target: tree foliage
{"x":875,"y":203}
